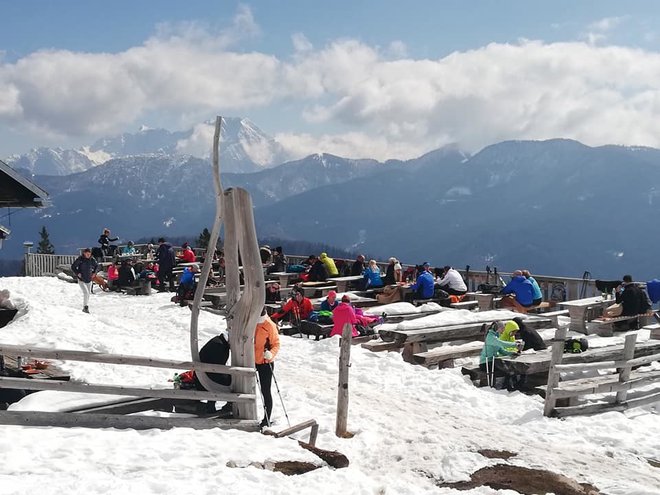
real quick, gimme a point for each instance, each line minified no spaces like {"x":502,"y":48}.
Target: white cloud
{"x":597,"y":31}
{"x":380,"y":103}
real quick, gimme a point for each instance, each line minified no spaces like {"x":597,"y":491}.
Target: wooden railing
{"x":39,"y":265}
{"x":619,"y":382}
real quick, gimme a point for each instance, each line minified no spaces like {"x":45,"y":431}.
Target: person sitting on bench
{"x":330,"y":302}
{"x":187,"y":284}
{"x":344,"y":314}
{"x":633,"y":300}
{"x":495,"y":346}
{"x":372,"y":276}
{"x":538,"y":295}
{"x":297,"y":308}
{"x":424,"y":287}
{"x":529,"y":336}
{"x":520,"y":293}
{"x":452,"y":282}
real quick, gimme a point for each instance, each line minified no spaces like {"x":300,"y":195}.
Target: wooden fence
{"x":40,"y":265}
{"x":620,"y":382}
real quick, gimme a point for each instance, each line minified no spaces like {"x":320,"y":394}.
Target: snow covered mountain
{"x":244,"y":148}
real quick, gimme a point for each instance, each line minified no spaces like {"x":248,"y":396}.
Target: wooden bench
{"x":319,"y":290}
{"x":605,"y":326}
{"x":465,"y":305}
{"x":315,"y":329}
{"x":443,"y":357}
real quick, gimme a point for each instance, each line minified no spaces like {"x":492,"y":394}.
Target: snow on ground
{"x":411,"y":424}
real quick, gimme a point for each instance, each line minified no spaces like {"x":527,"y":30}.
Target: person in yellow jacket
{"x":330,"y":266}
{"x":509,"y":334}
{"x":266,"y":347}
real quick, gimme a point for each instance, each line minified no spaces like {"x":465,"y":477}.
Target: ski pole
{"x":492,"y":373}
{"x":272,"y":369}
{"x":487,"y":372}
{"x":263,"y":400}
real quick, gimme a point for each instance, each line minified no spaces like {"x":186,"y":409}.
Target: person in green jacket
{"x":329,"y":265}
{"x":496,"y":344}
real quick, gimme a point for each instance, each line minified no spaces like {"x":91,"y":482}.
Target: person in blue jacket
{"x":372,"y":275}
{"x":521,"y":290}
{"x":424,"y":287}
{"x":538,"y":295}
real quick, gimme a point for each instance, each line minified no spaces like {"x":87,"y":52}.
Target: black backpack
{"x":489,"y":288}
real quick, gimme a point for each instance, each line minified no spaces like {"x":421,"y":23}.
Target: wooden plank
{"x":166,"y":393}
{"x":598,"y":407}
{"x":379,"y":345}
{"x":101,"y":357}
{"x":124,"y":406}
{"x":464,"y":305}
{"x":640,"y":361}
{"x":446,"y":333}
{"x":73,"y":420}
{"x":624,"y":374}
{"x":539,"y":362}
{"x":445,"y":353}
{"x":604,"y":384}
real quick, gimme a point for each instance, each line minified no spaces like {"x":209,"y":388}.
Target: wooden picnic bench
{"x":606,"y":326}
{"x":416,"y":341}
{"x":311,"y":289}
{"x":583,"y":310}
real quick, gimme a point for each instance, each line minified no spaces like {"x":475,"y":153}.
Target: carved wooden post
{"x":243,"y":315}
{"x":342,"y":389}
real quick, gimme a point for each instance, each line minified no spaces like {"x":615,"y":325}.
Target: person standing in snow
{"x":166,"y":261}
{"x":266,"y":347}
{"x":84,"y":268}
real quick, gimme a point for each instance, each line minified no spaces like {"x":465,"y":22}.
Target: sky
{"x":379,"y":79}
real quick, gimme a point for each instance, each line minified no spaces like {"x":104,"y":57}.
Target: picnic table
{"x":539,"y":362}
{"x":311,"y":288}
{"x":344,"y":282}
{"x":50,"y":372}
{"x":580,"y":312}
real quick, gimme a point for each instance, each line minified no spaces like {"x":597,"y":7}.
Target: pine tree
{"x":204,"y":238}
{"x":45,"y":246}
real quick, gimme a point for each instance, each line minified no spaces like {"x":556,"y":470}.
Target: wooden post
{"x":243,"y":316}
{"x":624,"y":373}
{"x":553,"y":374}
{"x":342,"y":389}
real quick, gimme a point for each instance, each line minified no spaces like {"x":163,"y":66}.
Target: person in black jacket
{"x":529,"y":336}
{"x":105,"y":240}
{"x":166,"y":261}
{"x":84,"y":268}
{"x":633,"y":300}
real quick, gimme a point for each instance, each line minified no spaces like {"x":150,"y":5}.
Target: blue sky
{"x":357,"y":78}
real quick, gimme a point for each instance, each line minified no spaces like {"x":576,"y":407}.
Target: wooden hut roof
{"x":18,"y":192}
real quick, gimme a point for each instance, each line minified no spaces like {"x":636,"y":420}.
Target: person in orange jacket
{"x":266,"y":347}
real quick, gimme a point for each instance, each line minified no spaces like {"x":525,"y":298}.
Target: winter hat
{"x":184,"y":245}
{"x":345,"y":298}
{"x":425,"y":264}
{"x":332,"y":293}
{"x":323,"y":256}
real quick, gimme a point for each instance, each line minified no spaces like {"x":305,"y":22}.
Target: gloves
{"x":268,"y":356}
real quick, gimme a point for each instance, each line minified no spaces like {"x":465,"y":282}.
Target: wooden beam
{"x":101,"y":357}
{"x":38,"y":418}
{"x":603,"y":384}
{"x":598,"y":407}
{"x":167,"y":393}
